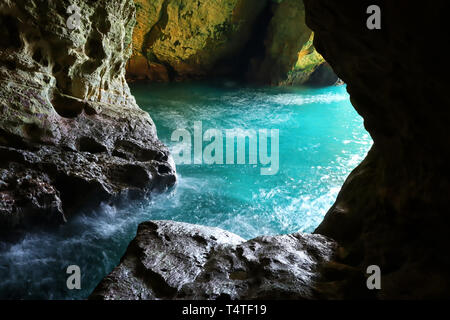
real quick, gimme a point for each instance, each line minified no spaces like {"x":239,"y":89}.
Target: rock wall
{"x":190,"y":39}
{"x":70,"y":131}
{"x":289,"y":57}
{"x":260,"y":41}
{"x":392,"y":210}
{"x":310,"y":68}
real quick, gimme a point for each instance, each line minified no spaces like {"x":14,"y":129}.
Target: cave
{"x":89,"y":150}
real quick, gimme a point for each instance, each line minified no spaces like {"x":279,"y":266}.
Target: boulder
{"x":174,"y":260}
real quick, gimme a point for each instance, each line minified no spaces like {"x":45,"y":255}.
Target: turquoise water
{"x":321,"y":139}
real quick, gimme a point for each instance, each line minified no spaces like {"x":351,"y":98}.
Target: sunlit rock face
{"x":70,"y":131}
{"x":190,"y":39}
{"x":262,"y":41}
{"x":310,"y":68}
{"x":393,"y":209}
{"x":173,"y":260}
{"x":289,"y":57}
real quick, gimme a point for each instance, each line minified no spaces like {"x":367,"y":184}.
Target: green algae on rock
{"x":262,"y":41}
{"x":290,"y":57}
{"x":189,"y":39}
{"x":311,"y":68}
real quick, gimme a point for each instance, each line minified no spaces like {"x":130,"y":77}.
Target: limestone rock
{"x":68,"y":119}
{"x":310,"y":68}
{"x":173,"y":260}
{"x":262,"y":41}
{"x":27,"y":197}
{"x":190,"y":39}
{"x":290,"y":57}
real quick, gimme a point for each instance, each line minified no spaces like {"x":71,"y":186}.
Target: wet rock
{"x":27,"y":197}
{"x":69,"y":123}
{"x":173,"y":260}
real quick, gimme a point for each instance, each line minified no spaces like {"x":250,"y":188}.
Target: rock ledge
{"x":173,"y":260}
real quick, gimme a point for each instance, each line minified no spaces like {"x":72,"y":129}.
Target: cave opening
{"x":321,"y":140}
{"x":233,"y":88}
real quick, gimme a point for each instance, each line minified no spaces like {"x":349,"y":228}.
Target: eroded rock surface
{"x":258,"y":40}
{"x":70,"y":131}
{"x":173,"y":260}
{"x":190,"y":39}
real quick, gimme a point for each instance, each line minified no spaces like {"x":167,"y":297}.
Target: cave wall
{"x":70,"y":130}
{"x":288,"y":56}
{"x":187,"y":40}
{"x":266,"y":42}
{"x":392,"y":211}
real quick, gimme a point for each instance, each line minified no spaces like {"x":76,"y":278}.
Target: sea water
{"x":321,"y":139}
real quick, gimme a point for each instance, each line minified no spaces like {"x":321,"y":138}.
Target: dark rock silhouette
{"x":392,"y":210}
